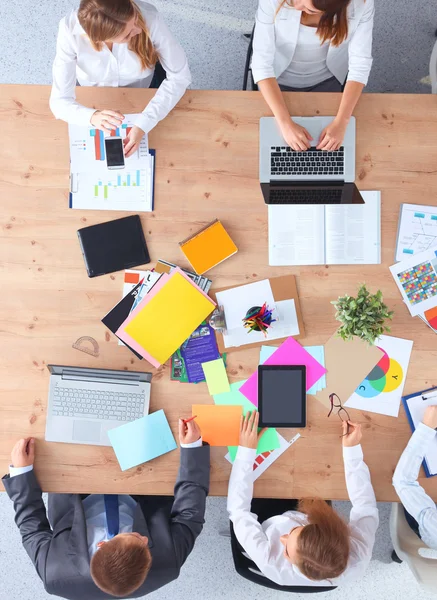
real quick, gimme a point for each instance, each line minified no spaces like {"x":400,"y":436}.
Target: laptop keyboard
{"x":302,"y":196}
{"x":93,"y":404}
{"x":285,"y":161}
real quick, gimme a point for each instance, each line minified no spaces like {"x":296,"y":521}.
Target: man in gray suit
{"x":101,"y":546}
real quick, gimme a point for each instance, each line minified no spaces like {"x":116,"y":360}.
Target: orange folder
{"x":220,"y":425}
{"x":208,"y":247}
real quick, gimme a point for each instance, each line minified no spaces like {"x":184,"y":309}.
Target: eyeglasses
{"x":341,"y":411}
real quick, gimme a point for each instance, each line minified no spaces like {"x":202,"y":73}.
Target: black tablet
{"x":282,"y":395}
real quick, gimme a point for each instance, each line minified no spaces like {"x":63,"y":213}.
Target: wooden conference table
{"x":207,"y":167}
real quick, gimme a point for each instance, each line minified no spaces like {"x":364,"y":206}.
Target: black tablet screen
{"x":281,"y":393}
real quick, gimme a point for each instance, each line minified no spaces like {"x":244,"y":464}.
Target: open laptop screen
{"x":302,"y":192}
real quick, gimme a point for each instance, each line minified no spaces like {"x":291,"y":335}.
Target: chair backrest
{"x":247,"y":69}
{"x":408,"y":546}
{"x":433,"y":69}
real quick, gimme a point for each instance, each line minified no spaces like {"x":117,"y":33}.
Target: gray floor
{"x":211,"y":32}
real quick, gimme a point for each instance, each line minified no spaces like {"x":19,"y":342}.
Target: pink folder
{"x":125,"y":337}
{"x":289,"y":353}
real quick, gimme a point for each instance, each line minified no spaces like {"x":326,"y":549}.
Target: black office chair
{"x":247,"y":69}
{"x":158,"y":76}
{"x":245,"y":567}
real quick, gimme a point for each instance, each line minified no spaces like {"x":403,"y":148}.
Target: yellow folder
{"x":170,"y":317}
{"x":208,"y":247}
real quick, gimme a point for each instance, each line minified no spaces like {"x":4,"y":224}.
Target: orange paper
{"x":220,"y":425}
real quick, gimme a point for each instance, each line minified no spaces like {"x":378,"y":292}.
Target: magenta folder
{"x":289,"y":353}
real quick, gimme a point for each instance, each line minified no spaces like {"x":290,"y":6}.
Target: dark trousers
{"x":414,"y":525}
{"x":330,"y":85}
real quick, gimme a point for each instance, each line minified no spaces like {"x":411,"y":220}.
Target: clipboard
{"x":283,"y":288}
{"x":411,"y":423}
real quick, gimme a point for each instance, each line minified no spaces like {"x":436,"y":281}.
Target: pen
{"x":434,"y":395}
{"x":190,"y":419}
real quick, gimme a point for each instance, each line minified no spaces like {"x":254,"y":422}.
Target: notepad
{"x":215,"y":375}
{"x":220,"y":425}
{"x":208,"y":247}
{"x":142,"y":440}
{"x":269,"y":440}
{"x":166,"y":317}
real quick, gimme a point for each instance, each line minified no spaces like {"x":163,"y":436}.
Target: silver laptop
{"x":310,"y":177}
{"x":85,"y":403}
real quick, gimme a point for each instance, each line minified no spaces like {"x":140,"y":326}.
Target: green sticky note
{"x":215,"y":375}
{"x":269,"y":441}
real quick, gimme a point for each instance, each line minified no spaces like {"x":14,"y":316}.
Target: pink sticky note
{"x":289,"y":353}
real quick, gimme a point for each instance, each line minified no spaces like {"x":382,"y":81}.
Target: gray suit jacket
{"x":60,"y":552}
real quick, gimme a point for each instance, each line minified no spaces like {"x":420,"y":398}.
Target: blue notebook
{"x":415,"y":406}
{"x":142,"y":440}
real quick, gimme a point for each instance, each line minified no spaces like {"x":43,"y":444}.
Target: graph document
{"x":417,"y":230}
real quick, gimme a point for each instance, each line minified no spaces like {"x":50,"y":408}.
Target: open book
{"x":343,"y":234}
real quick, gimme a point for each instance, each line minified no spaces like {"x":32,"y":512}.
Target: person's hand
{"x":332,"y":136}
{"x":189,"y":432}
{"x":296,"y":136}
{"x":430,"y":417}
{"x":353,"y":438}
{"x":249,"y":436}
{"x":107,"y":120}
{"x":132,"y":141}
{"x":23,"y":453}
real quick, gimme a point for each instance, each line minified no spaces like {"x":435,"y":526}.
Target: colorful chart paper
{"x":269,"y":440}
{"x":289,"y":353}
{"x":215,"y":375}
{"x":142,"y":440}
{"x":382,"y":389}
{"x":220,"y":425}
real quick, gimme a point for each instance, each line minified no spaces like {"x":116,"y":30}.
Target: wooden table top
{"x":206,"y":167}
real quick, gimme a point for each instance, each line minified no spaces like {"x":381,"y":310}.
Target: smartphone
{"x":114,"y":152}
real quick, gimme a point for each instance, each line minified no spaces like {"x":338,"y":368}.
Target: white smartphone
{"x":114,"y":152}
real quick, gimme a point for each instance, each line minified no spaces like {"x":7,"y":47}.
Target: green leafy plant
{"x":363,"y":316}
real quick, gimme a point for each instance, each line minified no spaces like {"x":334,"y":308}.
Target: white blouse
{"x":76,"y":60}
{"x":308,"y":66}
{"x":261,"y":541}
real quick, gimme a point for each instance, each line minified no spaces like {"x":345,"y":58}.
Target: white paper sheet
{"x":382,"y":390}
{"x":417,"y":408}
{"x":416,"y":279}
{"x":417,"y":230}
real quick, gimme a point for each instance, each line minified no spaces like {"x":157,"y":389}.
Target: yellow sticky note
{"x":170,"y":317}
{"x":215,"y":375}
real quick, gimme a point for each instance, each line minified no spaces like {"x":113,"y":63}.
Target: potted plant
{"x":363,"y":316}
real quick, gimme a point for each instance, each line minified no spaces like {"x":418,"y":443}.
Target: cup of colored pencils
{"x":259,"y":318}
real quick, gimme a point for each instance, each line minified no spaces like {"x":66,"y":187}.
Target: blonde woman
{"x":311,"y":546}
{"x":313,"y":46}
{"x":116,"y":43}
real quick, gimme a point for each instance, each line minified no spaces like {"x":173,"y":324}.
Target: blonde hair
{"x":323,"y":545}
{"x":333,"y":22}
{"x":105,"y":20}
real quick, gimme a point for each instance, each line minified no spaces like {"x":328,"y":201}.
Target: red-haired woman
{"x":313,"y":46}
{"x":312,"y":546}
{"x":116,"y":43}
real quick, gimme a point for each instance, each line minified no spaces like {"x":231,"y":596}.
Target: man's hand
{"x":107,"y":120}
{"x":249,"y":437}
{"x":132,"y":141}
{"x":189,"y":432}
{"x":353,"y":438}
{"x":23,"y":453}
{"x":332,"y":136}
{"x":430,"y":417}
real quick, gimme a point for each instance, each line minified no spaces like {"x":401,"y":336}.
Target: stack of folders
{"x":165,"y":317}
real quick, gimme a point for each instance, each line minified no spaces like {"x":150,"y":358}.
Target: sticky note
{"x":268,"y":441}
{"x":220,"y":425}
{"x":215,"y":375}
{"x":142,"y":440}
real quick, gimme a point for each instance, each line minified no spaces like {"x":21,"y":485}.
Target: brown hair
{"x":333,"y":22}
{"x":323,"y":545}
{"x":120,"y":566}
{"x":105,"y":20}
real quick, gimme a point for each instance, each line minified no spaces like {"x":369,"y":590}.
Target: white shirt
{"x":262,"y":542}
{"x":76,"y":59}
{"x":277,"y":33}
{"x":94,"y":508}
{"x":308,"y":66}
{"x":414,"y":498}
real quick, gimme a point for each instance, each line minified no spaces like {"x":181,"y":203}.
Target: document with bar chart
{"x":417,"y":230}
{"x":94,"y":186}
